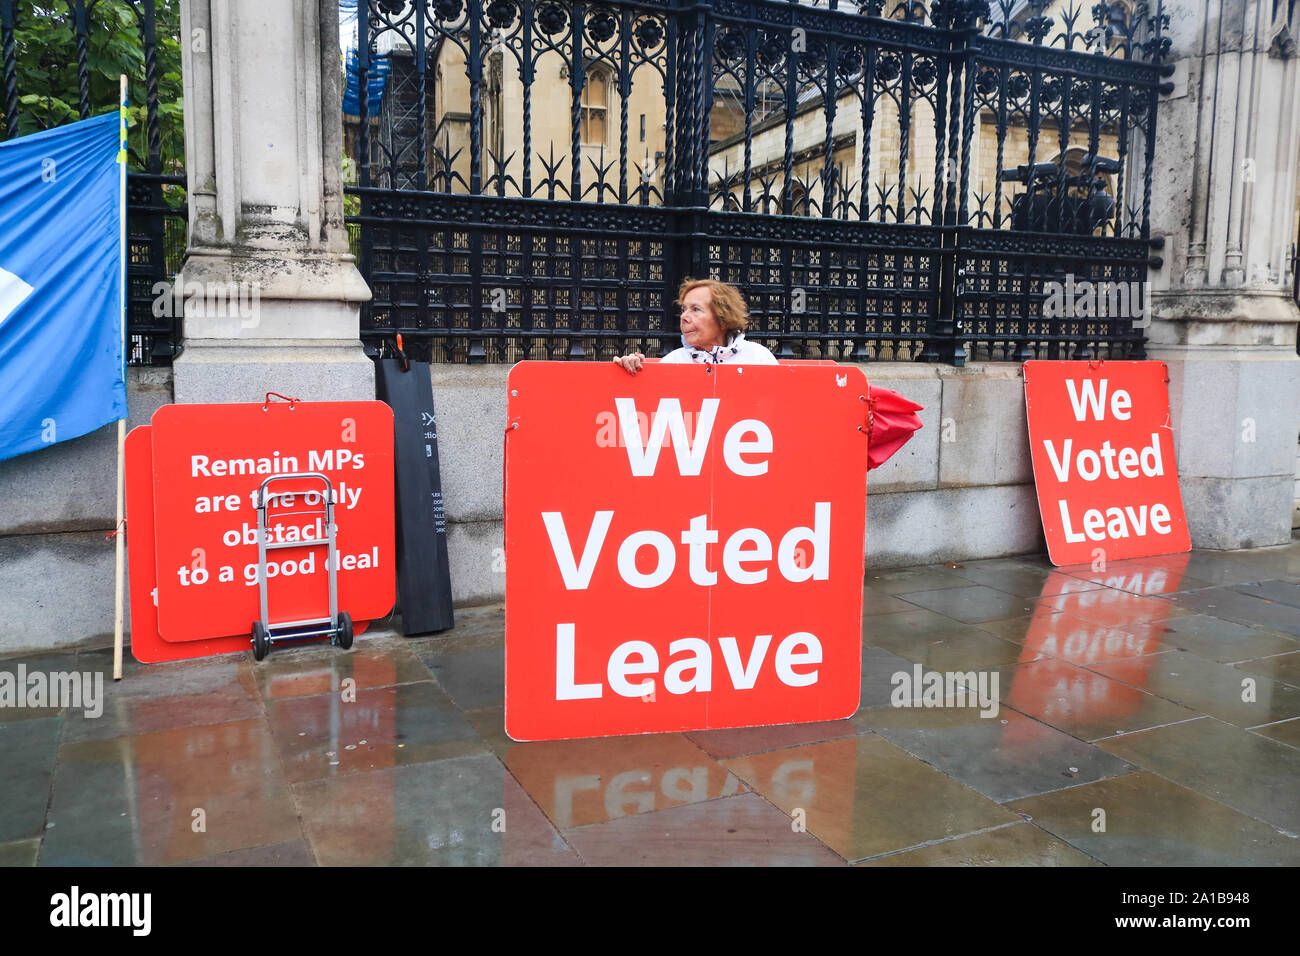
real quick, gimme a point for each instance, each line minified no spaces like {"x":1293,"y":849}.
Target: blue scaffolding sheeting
{"x":376,"y":83}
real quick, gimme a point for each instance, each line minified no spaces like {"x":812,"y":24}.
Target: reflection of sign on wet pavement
{"x":1101,"y":441}
{"x":1073,"y":629}
{"x":701,"y":568}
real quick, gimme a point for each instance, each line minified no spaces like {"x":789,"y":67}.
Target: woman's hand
{"x":630,"y":363}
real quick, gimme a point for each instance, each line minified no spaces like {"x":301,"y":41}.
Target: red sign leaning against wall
{"x":208,"y":463}
{"x":684,"y":548}
{"x":1102,"y":443}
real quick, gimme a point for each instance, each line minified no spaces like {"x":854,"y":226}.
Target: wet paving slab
{"x":322,"y":670}
{"x":1083,"y":703}
{"x":1286,"y":731}
{"x":749,"y":740}
{"x":1224,"y":641}
{"x":1164,"y":691}
{"x":972,"y":604}
{"x":863,"y":796}
{"x":581,"y":782}
{"x":1142,"y":580}
{"x":878,"y":602}
{"x":473,"y":677}
{"x":1115,"y":608}
{"x":1017,"y":844}
{"x":910,"y":580}
{"x":202,"y":693}
{"x":463,"y":811}
{"x":28,"y":753}
{"x":741,"y":830}
{"x":1209,"y":567}
{"x":167,"y":797}
{"x":1022,"y":579}
{"x":1220,"y":690}
{"x":291,"y":853}
{"x":1061,"y":635}
{"x":20,"y":853}
{"x":880,"y":680}
{"x":331,"y":735}
{"x":938,"y":642}
{"x":995,"y":751}
{"x":1281,"y":592}
{"x":1141,"y":819}
{"x":1245,"y":771}
{"x":1237,"y":606}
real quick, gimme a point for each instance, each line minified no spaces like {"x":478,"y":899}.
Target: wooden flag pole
{"x":121,"y":422}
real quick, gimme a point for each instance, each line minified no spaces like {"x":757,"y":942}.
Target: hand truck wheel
{"x":345,"y":630}
{"x":261,"y":641}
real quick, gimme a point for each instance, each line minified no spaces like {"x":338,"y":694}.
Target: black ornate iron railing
{"x":902,"y":183}
{"x":71,"y":89}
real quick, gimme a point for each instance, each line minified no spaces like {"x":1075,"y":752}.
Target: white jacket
{"x":736,"y":352}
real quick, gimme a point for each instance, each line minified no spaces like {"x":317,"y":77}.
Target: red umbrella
{"x":891,"y":419}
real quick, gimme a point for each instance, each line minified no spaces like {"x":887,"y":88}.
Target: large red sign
{"x":1101,"y":440}
{"x":208,"y":463}
{"x":684,"y":548}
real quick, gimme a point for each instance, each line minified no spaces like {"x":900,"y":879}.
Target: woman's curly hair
{"x":728,"y":304}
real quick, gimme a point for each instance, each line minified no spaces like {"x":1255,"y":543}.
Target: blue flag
{"x":61,"y":364}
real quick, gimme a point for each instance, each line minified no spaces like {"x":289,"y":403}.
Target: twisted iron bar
{"x":10,"y":67}
{"x":78,"y":9}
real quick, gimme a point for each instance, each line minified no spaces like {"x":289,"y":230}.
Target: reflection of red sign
{"x":1073,"y":630}
{"x":712,"y":582}
{"x":1101,"y":441}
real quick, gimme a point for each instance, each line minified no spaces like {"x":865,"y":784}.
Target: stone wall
{"x":57,"y":507}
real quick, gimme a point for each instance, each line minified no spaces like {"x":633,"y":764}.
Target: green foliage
{"x":48,"y":89}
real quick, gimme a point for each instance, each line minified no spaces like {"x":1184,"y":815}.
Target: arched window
{"x":595,"y":107}
{"x":798,"y":200}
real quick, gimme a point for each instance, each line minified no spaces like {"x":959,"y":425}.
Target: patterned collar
{"x":719,"y":353}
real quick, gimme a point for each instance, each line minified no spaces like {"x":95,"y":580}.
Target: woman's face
{"x":700,"y":327}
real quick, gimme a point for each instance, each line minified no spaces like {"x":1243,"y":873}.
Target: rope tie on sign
{"x":266,"y":402}
{"x":116,"y":531}
{"x":871,"y":416}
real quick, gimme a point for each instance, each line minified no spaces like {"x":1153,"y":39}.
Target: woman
{"x":713,"y":322}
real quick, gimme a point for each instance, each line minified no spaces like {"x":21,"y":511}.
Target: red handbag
{"x":891,"y":420}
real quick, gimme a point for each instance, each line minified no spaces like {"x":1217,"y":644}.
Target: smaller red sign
{"x":1101,"y":441}
{"x":209,"y":462}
